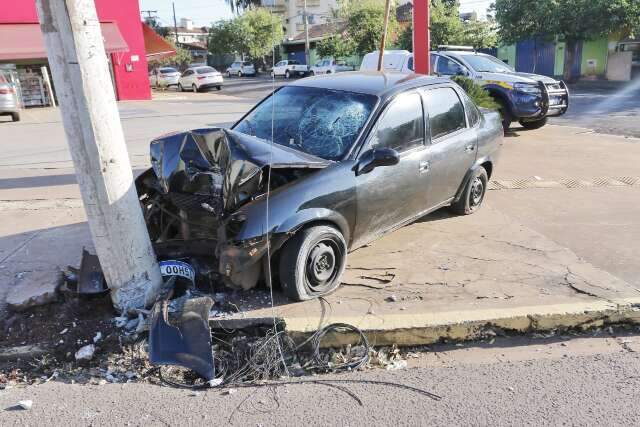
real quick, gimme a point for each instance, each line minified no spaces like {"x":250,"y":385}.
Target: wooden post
{"x":94,"y":133}
{"x":383,"y":40}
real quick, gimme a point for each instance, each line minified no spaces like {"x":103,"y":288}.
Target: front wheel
{"x":239,"y":73}
{"x":194,"y":88}
{"x":473,"y":193}
{"x":180,"y":88}
{"x":312,"y":262}
{"x":286,"y":74}
{"x":533,"y":124}
{"x":219,"y":87}
{"x":15,"y":117}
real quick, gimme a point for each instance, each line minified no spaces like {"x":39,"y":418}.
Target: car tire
{"x":180,"y":88}
{"x":228,"y":74}
{"x":219,"y":87}
{"x":473,"y":193}
{"x":312,"y":262}
{"x":239,"y":73}
{"x":312,"y":73}
{"x":194,"y":88}
{"x":286,"y":74}
{"x":15,"y":117}
{"x":534,"y":124}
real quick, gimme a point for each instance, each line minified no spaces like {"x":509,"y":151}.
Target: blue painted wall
{"x":535,"y":56}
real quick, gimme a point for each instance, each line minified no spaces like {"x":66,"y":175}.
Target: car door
{"x":453,"y":143}
{"x":186,"y":79}
{"x":388,"y":196}
{"x":449,"y":67}
{"x":279,"y":68}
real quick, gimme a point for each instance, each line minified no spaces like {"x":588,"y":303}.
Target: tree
{"x":259,"y":32}
{"x":181,"y":58}
{"x":336,"y":46}
{"x":154,"y":23}
{"x":447,"y":28}
{"x":572,"y":20}
{"x":365,"y":23}
{"x":241,"y":5}
{"x":253,"y":34}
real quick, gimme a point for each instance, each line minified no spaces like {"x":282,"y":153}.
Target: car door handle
{"x":424,"y":166}
{"x":469,"y":148}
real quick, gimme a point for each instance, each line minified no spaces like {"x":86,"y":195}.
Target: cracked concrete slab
{"x":451,"y":276}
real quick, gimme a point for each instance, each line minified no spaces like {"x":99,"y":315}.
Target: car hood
{"x":518,"y":77}
{"x":221,"y":163}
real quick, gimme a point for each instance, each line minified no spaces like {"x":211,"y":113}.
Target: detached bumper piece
{"x":91,"y":280}
{"x":186,"y":342}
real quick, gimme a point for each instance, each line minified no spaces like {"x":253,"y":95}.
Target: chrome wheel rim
{"x":477,"y":192}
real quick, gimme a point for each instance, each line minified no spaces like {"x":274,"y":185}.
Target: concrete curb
{"x":423,"y":329}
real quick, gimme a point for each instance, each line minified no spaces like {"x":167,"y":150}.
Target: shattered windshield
{"x":321,"y":122}
{"x":487,"y":64}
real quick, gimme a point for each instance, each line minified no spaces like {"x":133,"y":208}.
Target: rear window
{"x":205,"y":70}
{"x":247,"y":64}
{"x":294,"y":62}
{"x":446,"y":114}
{"x":168,"y":70}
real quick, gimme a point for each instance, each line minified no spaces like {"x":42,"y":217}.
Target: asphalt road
{"x":585,"y":381}
{"x":605,"y":107}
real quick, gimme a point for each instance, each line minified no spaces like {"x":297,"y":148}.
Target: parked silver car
{"x":241,"y":69}
{"x":165,"y":76}
{"x":8,"y":100}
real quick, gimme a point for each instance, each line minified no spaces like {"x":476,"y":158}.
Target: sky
{"x":204,"y":12}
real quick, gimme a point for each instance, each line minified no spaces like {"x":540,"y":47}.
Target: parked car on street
{"x":241,"y":69}
{"x":199,"y":78}
{"x":329,"y":66}
{"x":8,"y":100}
{"x":338,"y":160}
{"x":289,"y":68}
{"x":164,"y":77}
{"x":524,"y":97}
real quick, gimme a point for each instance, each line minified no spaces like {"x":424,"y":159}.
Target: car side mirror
{"x":376,"y":158}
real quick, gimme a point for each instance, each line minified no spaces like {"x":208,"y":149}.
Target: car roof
{"x":380,"y":83}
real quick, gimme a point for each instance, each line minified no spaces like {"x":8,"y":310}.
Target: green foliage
{"x":153,"y":22}
{"x":253,"y":33}
{"x":182,"y":57}
{"x":240,"y":5}
{"x":573,"y":20}
{"x":479,"y":96}
{"x":446,"y":28}
{"x":365,"y":24}
{"x":335,"y":47}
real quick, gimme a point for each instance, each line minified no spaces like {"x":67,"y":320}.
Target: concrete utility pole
{"x":94,"y":133}
{"x":175,"y":23}
{"x":383,"y":40}
{"x":305,"y":17}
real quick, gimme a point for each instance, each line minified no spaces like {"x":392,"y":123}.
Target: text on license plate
{"x":177,"y":268}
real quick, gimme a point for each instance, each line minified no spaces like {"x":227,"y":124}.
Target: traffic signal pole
{"x":421,"y":39}
{"x":80,"y":71}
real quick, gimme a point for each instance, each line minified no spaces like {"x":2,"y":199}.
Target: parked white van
{"x":394,"y":60}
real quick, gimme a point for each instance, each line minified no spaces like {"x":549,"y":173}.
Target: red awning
{"x":25,"y":41}
{"x":156,"y":47}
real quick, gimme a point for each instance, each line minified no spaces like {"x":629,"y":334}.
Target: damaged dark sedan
{"x":317,"y":169}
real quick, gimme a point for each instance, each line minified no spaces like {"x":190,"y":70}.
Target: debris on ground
{"x":86,"y":352}
{"x":34,"y":288}
{"x":25,"y":404}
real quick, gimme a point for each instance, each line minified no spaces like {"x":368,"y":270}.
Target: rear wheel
{"x":533,"y":124}
{"x":219,"y":87}
{"x":473,"y":193}
{"x":180,"y":88}
{"x":15,"y":117}
{"x":194,"y":88}
{"x":286,"y":74}
{"x":312,"y":262}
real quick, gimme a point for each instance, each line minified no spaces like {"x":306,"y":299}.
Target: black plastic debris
{"x":186,"y":341}
{"x":91,"y":280}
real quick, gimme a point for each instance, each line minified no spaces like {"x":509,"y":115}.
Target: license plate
{"x":177,"y":268}
{"x":555,"y":100}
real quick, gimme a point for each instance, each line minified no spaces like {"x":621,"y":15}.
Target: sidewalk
{"x":443,"y":277}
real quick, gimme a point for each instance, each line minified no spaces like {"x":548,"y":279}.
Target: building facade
{"x":188,"y":33}
{"x":23,"y":56}
{"x":291,"y":13}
